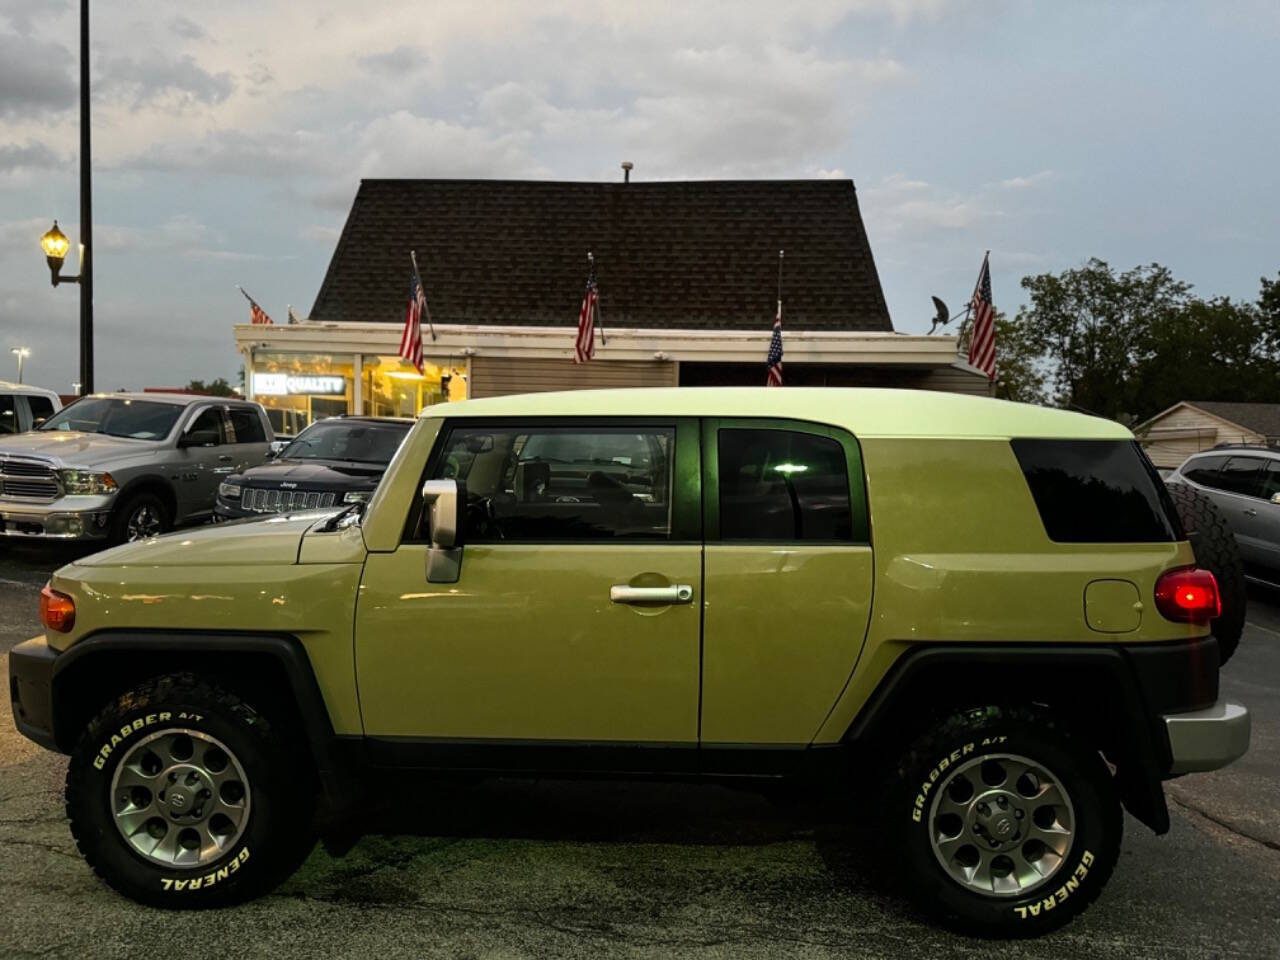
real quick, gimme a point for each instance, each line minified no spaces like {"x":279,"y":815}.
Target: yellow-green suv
{"x":990,"y":606}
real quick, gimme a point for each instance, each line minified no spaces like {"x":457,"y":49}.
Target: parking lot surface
{"x":557,"y":869}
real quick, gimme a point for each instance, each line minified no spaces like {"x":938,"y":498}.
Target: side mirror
{"x":199,"y":438}
{"x":444,"y":504}
{"x":275,"y":448}
{"x":1275,"y":498}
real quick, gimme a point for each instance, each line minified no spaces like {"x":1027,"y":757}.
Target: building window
{"x":393,"y":388}
{"x":299,"y":388}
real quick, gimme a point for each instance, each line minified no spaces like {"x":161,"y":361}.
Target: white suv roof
{"x":7,"y":387}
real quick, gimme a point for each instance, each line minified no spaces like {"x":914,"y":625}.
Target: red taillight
{"x":1188,"y":595}
{"x":57,"y":610}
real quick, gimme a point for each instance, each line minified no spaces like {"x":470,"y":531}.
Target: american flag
{"x":982,"y":341}
{"x":256,"y":313}
{"x":774,"y":360}
{"x":411,"y":339}
{"x":584,"y":347}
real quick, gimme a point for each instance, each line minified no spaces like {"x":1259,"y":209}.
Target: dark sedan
{"x":333,"y":462}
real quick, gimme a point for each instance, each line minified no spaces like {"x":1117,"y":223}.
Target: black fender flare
{"x":85,"y":663}
{"x":1120,"y":692}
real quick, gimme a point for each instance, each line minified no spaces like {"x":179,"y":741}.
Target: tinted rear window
{"x":1097,"y":491}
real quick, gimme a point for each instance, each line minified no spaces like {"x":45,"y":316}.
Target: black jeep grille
{"x":278,"y":501}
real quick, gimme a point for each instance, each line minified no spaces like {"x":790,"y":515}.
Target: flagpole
{"x":780,"y":254}
{"x":599,"y":313}
{"x":413,"y":255}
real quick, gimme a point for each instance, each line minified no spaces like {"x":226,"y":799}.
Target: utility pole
{"x":86,"y":212}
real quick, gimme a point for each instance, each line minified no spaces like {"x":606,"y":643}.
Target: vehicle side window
{"x":1205,"y":471}
{"x":41,"y":409}
{"x":210,"y":419}
{"x":782,"y":485}
{"x":1097,"y":491}
{"x":1243,"y":475}
{"x":246,"y":426}
{"x":571,"y":484}
{"x":1271,"y":480}
{"x":8,"y":415}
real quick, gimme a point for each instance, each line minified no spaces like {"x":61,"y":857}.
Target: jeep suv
{"x":991,"y":609}
{"x":124,"y":466}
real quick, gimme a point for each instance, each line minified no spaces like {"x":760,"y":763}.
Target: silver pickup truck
{"x":123,"y":466}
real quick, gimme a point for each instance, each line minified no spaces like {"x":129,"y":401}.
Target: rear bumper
{"x":31,"y":690}
{"x":1207,"y":739}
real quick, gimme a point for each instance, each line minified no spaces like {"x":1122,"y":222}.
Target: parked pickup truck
{"x":988,"y":610}
{"x":124,"y":466}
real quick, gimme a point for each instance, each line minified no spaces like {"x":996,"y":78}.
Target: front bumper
{"x":31,"y":690}
{"x":69,"y":518}
{"x":1207,"y":739}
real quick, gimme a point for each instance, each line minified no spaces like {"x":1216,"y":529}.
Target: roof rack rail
{"x":1246,"y":445}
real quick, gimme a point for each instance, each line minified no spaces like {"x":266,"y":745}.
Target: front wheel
{"x":182,"y":795}
{"x":141,"y":516}
{"x":1006,"y":824}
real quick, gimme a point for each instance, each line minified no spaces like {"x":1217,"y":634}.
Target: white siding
{"x":1185,"y":430}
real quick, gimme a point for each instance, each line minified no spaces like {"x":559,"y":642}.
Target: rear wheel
{"x":1216,"y":551}
{"x":1005,"y":824}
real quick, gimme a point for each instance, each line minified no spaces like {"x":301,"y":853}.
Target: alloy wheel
{"x":1001,"y":825}
{"x":180,"y":798}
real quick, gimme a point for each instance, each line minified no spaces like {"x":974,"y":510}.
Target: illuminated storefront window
{"x":393,"y":388}
{"x":299,"y":388}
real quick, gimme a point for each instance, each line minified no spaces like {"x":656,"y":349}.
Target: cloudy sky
{"x":229,"y":139}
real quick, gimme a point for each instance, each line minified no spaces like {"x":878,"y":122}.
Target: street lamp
{"x":56,"y":245}
{"x":20,"y":352}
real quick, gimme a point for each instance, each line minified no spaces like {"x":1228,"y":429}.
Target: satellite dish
{"x":941,"y":316}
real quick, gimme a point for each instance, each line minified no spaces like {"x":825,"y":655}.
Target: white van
{"x":24,"y":407}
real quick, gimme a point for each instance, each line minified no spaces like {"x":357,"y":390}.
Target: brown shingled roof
{"x":1263,"y":418}
{"x":695,"y":254}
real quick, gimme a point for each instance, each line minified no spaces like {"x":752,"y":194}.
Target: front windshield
{"x":354,"y":441}
{"x":116,"y":417}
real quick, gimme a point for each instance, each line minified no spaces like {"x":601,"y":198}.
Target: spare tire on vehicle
{"x":1216,"y":550}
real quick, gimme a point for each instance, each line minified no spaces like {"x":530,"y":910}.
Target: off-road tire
{"x":993,"y":732}
{"x":276,"y":837}
{"x":1217,"y":551}
{"x":125,"y":511}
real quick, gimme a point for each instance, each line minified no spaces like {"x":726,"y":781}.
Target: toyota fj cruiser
{"x":993,"y":607}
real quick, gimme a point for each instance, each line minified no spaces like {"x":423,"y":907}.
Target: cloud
{"x":1022,"y":183}
{"x":22,"y":14}
{"x":900,"y":206}
{"x":396,"y":63}
{"x":187,"y":29}
{"x":35,"y":77}
{"x":33,"y":155}
{"x":173,"y":83}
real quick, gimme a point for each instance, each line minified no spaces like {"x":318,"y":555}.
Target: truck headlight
{"x":357,"y":496}
{"x":87,"y":481}
{"x":229,"y":491}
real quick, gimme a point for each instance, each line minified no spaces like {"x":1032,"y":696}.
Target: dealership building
{"x":687,"y":273}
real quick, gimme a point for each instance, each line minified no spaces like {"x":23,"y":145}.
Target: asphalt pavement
{"x":505,"y":869}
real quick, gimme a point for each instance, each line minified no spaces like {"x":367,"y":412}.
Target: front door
{"x":539,"y":641}
{"x":200,"y":468}
{"x":788,"y":580}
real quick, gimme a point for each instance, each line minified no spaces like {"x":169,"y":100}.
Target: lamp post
{"x":55,"y":242}
{"x":20,"y":352}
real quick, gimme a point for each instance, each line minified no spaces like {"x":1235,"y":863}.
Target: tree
{"x":214,"y":388}
{"x":1092,"y":324}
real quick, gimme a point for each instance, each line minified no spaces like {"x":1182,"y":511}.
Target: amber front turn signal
{"x":57,"y":610}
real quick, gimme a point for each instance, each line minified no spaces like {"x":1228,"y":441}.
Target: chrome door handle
{"x":676,"y":593}
{"x":1251,"y":513}
{"x":225,"y":458}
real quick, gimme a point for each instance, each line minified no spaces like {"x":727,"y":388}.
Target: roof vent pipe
{"x":627,"y":167}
